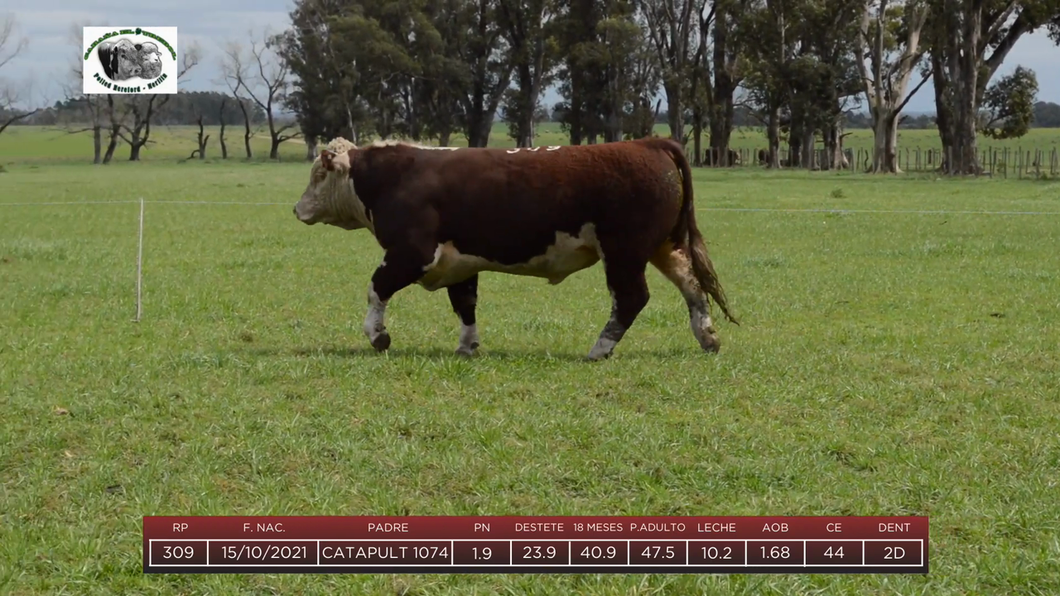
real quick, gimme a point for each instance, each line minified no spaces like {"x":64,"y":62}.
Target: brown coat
{"x":443,"y":216}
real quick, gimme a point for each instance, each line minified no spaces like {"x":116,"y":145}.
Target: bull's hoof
{"x":594,"y":357}
{"x":710,"y":343}
{"x":467,"y":350}
{"x":381,"y":342}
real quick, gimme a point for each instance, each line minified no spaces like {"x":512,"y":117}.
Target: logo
{"x":133,"y":60}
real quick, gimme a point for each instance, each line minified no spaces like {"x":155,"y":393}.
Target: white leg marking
{"x":468,"y":339}
{"x":701,"y":327}
{"x":373,"y":321}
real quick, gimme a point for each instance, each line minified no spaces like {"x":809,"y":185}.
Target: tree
{"x":889,"y":38}
{"x":766,"y":35}
{"x":11,"y":95}
{"x":143,"y":108}
{"x":525,"y":25}
{"x":445,"y":77}
{"x":831,"y":31}
{"x":970,"y":39}
{"x":222,"y":121}
{"x":326,"y":94}
{"x":264,"y":77}
{"x":485,"y":54}
{"x":88,"y":107}
{"x":1009,"y":105}
{"x":720,"y":92}
{"x":671,"y":28}
{"x":1046,"y":115}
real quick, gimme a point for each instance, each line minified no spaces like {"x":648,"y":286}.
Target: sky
{"x":45,"y":65}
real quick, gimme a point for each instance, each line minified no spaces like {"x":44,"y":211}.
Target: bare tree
{"x":232,"y":74}
{"x":11,"y":94}
{"x":93,"y":105}
{"x":264,"y":77}
{"x":221,"y":135}
{"x":143,"y":107}
{"x":115,"y":120}
{"x":203,"y":138}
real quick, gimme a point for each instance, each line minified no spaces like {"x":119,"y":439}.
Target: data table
{"x":368,"y":544}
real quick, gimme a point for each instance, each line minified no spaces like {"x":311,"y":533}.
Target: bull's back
{"x":541,"y":213}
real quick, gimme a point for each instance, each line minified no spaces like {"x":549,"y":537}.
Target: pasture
{"x":897,"y":356}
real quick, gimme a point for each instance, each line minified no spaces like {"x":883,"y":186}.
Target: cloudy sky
{"x":46,"y":62}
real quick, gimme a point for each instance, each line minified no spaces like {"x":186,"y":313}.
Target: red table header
{"x":534,"y":527}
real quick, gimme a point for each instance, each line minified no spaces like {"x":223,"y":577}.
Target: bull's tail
{"x":686,"y":232}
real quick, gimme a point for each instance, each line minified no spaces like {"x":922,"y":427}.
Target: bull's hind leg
{"x":463,"y":296}
{"x":401,"y":267}
{"x":629,"y":295}
{"x":676,"y":266}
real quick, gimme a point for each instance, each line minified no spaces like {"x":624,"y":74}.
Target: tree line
{"x":430,"y":69}
{"x":801,"y":69}
{"x":187,"y":107}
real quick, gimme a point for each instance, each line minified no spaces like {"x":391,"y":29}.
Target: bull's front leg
{"x":463,"y":297}
{"x":400,"y":268}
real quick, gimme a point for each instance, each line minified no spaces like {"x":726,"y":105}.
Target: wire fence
{"x":142,"y":202}
{"x":1003,"y":162}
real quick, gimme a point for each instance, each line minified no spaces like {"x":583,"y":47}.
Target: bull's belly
{"x":567,"y":255}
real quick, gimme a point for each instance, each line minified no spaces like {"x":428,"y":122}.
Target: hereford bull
{"x":443,"y":215}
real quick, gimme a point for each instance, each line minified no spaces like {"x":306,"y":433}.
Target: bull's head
{"x":329,"y":198}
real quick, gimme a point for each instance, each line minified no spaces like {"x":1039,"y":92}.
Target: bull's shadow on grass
{"x":437,"y":353}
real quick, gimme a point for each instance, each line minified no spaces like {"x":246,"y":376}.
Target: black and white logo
{"x":130,"y":60}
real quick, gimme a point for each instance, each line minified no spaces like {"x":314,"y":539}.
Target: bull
{"x":443,"y":215}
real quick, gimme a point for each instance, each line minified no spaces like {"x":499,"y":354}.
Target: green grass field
{"x":888,"y":363}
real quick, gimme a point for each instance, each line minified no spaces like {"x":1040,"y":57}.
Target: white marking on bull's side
{"x":373,"y":321}
{"x":567,"y":255}
{"x":468,"y":339}
{"x":549,"y":148}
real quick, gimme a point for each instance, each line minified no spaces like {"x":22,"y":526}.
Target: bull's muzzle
{"x":306,"y":218}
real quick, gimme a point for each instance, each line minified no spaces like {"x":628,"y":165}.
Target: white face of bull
{"x":150,"y":60}
{"x":329,"y":197}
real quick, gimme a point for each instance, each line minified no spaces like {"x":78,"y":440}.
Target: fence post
{"x":139,"y":263}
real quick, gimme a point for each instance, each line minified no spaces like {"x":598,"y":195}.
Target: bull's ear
{"x":327,"y":160}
